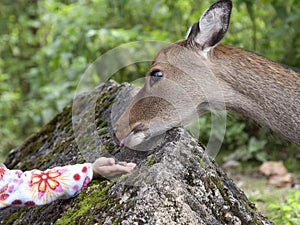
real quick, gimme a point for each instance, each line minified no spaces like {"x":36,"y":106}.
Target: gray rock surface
{"x":174,"y":183}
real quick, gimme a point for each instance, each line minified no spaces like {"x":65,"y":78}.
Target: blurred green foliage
{"x":46,"y":46}
{"x":287,"y":212}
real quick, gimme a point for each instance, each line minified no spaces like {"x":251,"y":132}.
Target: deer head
{"x":198,"y":74}
{"x":170,"y":96}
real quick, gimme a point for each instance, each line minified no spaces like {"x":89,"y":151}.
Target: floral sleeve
{"x":41,"y":187}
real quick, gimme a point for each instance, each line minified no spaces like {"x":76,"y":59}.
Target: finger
{"x":131,"y":165}
{"x":115,"y":169}
{"x":126,"y":164}
{"x":103,"y":161}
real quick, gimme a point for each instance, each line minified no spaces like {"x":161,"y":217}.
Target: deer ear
{"x":212,"y":26}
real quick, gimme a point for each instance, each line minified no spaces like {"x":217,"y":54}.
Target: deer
{"x":199,"y":74}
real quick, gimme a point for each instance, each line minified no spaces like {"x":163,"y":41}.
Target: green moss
{"x":45,"y":139}
{"x":151,"y":160}
{"x":106,"y":100}
{"x":116,"y":221}
{"x":101,"y":124}
{"x":108,"y":147}
{"x":56,"y":140}
{"x":201,"y":163}
{"x":12,"y":218}
{"x":102,"y":131}
{"x":90,"y":203}
{"x":249,"y":206}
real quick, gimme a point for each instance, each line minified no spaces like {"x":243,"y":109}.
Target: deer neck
{"x":259,"y":88}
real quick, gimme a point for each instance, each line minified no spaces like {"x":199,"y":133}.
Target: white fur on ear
{"x":188,"y":32}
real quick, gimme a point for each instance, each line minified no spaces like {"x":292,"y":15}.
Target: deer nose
{"x":121,"y":143}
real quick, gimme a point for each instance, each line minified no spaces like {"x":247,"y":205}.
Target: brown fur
{"x":252,"y":85}
{"x":199,"y":76}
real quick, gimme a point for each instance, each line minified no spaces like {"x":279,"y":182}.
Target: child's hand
{"x":108,"y":168}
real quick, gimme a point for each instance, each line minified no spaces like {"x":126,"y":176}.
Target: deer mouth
{"x":138,"y":135}
{"x":133,"y":139}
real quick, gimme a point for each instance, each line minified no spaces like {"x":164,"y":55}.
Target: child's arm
{"x":41,"y":187}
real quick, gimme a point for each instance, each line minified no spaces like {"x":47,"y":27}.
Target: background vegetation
{"x":46,"y":46}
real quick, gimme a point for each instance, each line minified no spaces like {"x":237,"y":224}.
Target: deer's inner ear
{"x":212,"y":26}
{"x":193,"y":31}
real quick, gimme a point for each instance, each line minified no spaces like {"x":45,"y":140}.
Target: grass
{"x":280,"y":205}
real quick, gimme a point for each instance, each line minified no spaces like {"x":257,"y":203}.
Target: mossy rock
{"x":174,"y":183}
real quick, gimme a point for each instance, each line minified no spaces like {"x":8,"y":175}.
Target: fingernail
{"x":131,"y":165}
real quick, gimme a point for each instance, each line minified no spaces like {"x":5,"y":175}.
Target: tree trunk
{"x":175,"y":183}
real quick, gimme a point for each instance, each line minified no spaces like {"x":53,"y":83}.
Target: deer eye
{"x":156,"y":73}
{"x":138,"y":128}
{"x":155,"y":76}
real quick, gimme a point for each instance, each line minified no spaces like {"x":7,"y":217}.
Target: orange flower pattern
{"x":41,"y":187}
{"x":45,"y":180}
{"x":2,"y":171}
